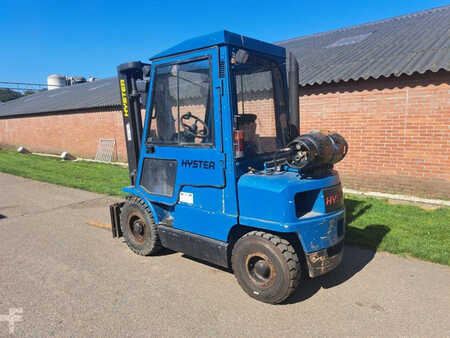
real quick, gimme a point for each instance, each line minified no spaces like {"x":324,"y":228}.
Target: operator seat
{"x":246,"y":122}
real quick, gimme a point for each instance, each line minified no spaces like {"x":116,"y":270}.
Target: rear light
{"x":239,"y":143}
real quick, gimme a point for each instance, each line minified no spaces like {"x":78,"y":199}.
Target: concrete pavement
{"x":72,"y":279}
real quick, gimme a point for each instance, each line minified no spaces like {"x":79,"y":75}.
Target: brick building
{"x":383,"y":85}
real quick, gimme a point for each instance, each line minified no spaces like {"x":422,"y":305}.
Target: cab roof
{"x":222,"y":38}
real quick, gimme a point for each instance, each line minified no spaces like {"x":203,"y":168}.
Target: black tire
{"x":139,"y":228}
{"x":266,"y":266}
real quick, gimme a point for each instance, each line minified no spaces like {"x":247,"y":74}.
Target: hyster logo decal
{"x":332,"y":199}
{"x":123,"y":91}
{"x":198,"y":164}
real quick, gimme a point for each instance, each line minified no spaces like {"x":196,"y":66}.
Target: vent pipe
{"x":294,"y":112}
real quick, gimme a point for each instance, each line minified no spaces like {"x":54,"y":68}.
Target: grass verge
{"x":96,"y":177}
{"x":406,"y":230}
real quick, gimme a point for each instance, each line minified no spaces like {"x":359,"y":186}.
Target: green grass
{"x":406,"y":230}
{"x":96,"y":177}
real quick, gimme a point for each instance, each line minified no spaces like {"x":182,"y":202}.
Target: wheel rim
{"x":137,"y":228}
{"x":260,"y":269}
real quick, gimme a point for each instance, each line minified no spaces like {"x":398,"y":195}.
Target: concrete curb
{"x":79,"y":159}
{"x":398,"y":197}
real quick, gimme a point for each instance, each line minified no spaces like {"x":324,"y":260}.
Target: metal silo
{"x":55,"y":81}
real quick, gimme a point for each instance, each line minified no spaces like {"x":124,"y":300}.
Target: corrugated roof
{"x":416,"y":42}
{"x":100,"y":93}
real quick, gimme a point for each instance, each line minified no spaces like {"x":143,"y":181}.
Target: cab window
{"x":260,"y":104}
{"x":182,"y":110}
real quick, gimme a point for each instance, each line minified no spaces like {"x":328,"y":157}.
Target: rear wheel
{"x":266,"y":266}
{"x":139,"y":228}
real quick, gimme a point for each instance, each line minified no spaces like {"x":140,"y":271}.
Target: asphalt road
{"x":71,"y":279}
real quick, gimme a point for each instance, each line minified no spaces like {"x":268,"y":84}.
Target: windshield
{"x":260,"y":105}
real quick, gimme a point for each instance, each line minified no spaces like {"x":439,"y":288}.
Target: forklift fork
{"x":114,"y":210}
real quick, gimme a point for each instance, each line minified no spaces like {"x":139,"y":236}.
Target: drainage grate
{"x":105,"y":149}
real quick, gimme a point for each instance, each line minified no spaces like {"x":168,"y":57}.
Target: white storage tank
{"x":55,"y":81}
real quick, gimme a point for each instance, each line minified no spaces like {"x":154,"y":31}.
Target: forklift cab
{"x":216,"y":114}
{"x":203,"y":129}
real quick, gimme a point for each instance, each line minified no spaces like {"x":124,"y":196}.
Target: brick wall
{"x":397,"y":129}
{"x":261,"y":105}
{"x":75,"y":132}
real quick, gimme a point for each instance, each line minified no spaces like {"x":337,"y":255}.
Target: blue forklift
{"x":218,"y":169}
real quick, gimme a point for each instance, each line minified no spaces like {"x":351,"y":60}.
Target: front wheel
{"x":139,"y":228}
{"x":266,"y":266}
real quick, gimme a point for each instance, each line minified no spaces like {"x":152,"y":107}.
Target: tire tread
{"x":155,"y":240}
{"x":289,"y":254}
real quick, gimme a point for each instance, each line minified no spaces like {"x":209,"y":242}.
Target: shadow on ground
{"x":165,"y":252}
{"x":162,"y":252}
{"x":218,"y":267}
{"x":354,"y":209}
{"x":354,"y":260}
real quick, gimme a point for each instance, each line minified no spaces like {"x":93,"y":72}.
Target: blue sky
{"x":90,"y":38}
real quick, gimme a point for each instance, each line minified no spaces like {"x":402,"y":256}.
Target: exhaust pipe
{"x":294,"y":113}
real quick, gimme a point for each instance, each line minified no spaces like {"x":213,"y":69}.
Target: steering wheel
{"x":193,"y":128}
